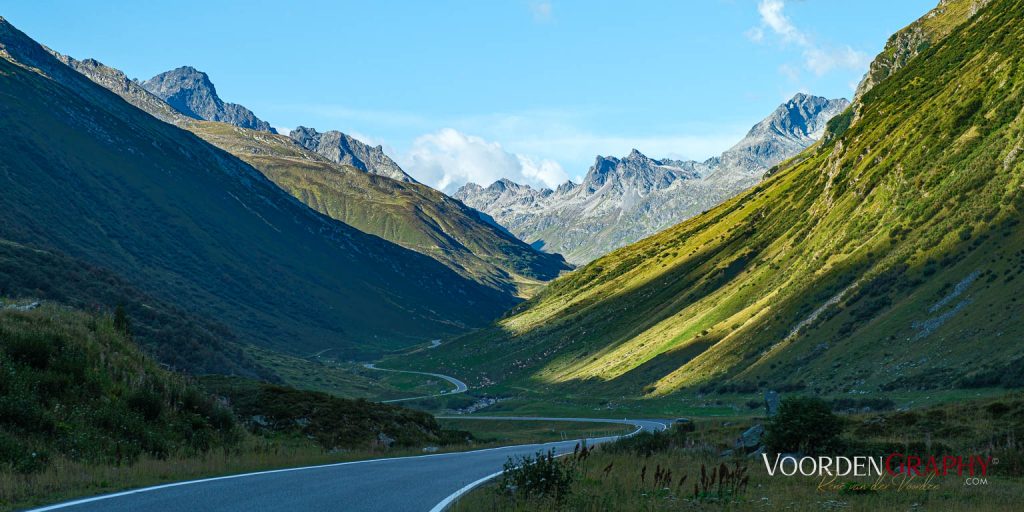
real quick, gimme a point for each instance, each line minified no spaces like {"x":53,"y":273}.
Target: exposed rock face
{"x":343,"y":149}
{"x":622,"y":200}
{"x":191,"y":92}
{"x":116,"y":81}
{"x":917,"y":37}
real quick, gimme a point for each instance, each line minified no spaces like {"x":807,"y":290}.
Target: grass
{"x":530,"y":432}
{"x":622,"y":476}
{"x":344,"y":379}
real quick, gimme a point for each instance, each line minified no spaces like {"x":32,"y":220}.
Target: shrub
{"x":538,"y":476}
{"x":805,"y":425}
{"x":646,"y":443}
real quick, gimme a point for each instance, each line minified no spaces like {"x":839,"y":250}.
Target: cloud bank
{"x":448,"y":158}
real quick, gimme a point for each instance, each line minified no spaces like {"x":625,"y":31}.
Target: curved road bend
{"x":407,"y":484}
{"x":460,"y":387}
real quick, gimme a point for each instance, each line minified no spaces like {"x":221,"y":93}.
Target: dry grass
{"x":627,"y":486}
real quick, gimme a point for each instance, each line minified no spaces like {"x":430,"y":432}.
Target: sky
{"x":459,"y":90}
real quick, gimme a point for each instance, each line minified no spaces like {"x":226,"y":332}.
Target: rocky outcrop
{"x":190,"y":92}
{"x":622,"y":200}
{"x":917,"y":37}
{"x":344,"y":149}
{"x":116,"y":81}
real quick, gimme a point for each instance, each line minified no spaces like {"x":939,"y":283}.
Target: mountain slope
{"x":343,"y":149}
{"x":623,"y":200}
{"x":889,"y":257}
{"x":91,"y":176}
{"x":191,"y":92}
{"x":412,"y":215}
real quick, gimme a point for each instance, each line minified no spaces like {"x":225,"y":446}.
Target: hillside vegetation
{"x":183,"y":341}
{"x":74,"y":386}
{"x":890,"y":256}
{"x":90,"y":176}
{"x":412,"y":215}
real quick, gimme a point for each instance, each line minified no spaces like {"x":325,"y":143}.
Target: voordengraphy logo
{"x":907,"y":471}
{"x":894,"y":464}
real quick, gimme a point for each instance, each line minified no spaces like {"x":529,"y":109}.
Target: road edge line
{"x":453,"y":497}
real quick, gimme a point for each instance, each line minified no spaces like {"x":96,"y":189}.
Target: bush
{"x":805,"y":425}
{"x":646,"y":443}
{"x":539,"y":476}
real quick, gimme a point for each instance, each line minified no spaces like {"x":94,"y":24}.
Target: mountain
{"x":408,"y":213}
{"x":92,"y":177}
{"x":340,"y":148}
{"x":624,"y":200}
{"x":888,"y":257}
{"x":191,"y":92}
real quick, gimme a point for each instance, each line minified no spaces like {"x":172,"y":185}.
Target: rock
{"x":191,"y":92}
{"x":430,"y":449}
{"x":385,"y":440}
{"x":771,"y":402}
{"x":622,"y":200}
{"x":24,"y":307}
{"x":343,"y":149}
{"x":751,"y":438}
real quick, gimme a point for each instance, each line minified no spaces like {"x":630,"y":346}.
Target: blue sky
{"x":526,"y":89}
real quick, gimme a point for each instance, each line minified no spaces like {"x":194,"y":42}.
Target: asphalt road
{"x":460,"y":387}
{"x":422,"y":483}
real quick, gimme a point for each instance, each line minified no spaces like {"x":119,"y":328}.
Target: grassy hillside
{"x":888,"y":257}
{"x":95,"y":178}
{"x":182,"y":341}
{"x":74,"y":386}
{"x":412,"y":215}
{"x":84,"y":411}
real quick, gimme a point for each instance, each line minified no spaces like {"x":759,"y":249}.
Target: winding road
{"x":421,"y":483}
{"x":460,"y":387}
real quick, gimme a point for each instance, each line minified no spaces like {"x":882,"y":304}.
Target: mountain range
{"x":350,"y":183}
{"x":100,"y":184}
{"x":622,"y":200}
{"x":890,"y":256}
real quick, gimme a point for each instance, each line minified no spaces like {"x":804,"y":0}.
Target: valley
{"x":202,"y":309}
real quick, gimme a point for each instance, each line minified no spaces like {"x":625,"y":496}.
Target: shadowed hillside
{"x":97,"y":179}
{"x":890,"y":256}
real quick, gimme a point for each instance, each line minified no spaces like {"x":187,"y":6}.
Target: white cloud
{"x":818,"y":59}
{"x":541,"y":11}
{"x":772,"y":16}
{"x":821,"y":61}
{"x":446,"y":159}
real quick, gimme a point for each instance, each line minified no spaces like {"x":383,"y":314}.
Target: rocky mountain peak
{"x":622,"y":200}
{"x":344,"y":149}
{"x":793,"y":126}
{"x":192,"y":93}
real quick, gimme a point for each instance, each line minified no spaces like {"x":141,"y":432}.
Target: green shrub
{"x":539,"y":476}
{"x":646,"y":443}
{"x":805,"y":425}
